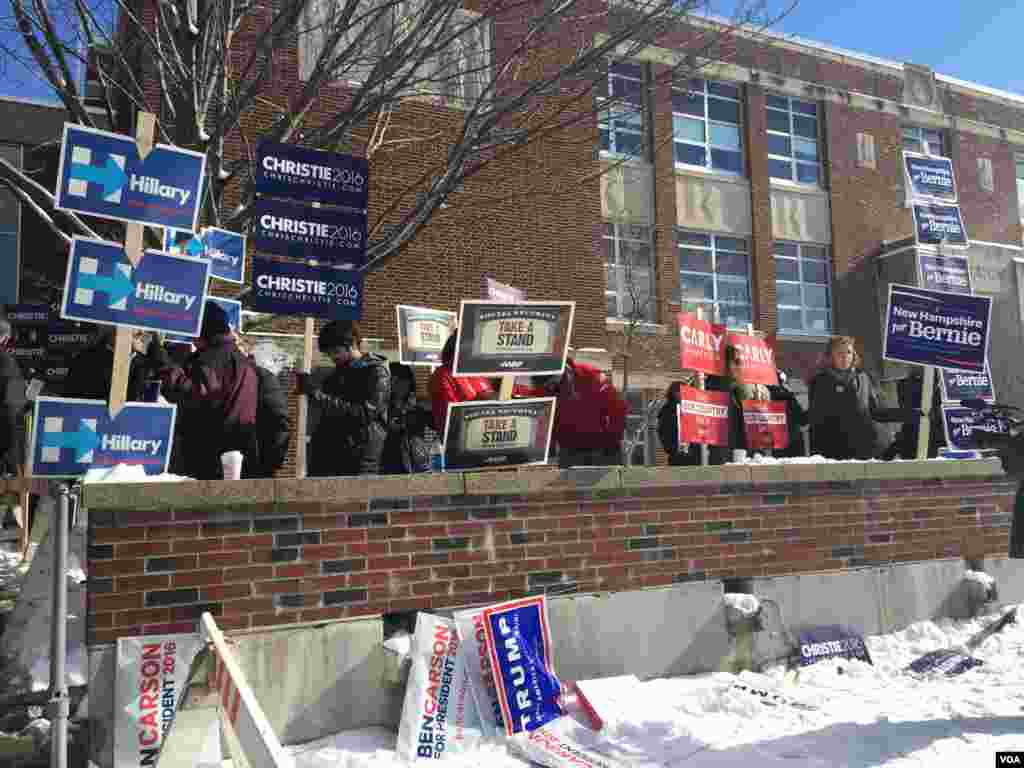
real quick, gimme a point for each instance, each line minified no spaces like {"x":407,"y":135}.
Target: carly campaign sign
{"x":101,"y":174}
{"x":947,"y":330}
{"x":297,"y":289}
{"x":286,"y":170}
{"x":703,"y":417}
{"x":935,"y":223}
{"x":930,"y":177}
{"x":701,"y":345}
{"x":162,"y":293}
{"x":71,"y":436}
{"x":764,"y":422}
{"x":151,"y":675}
{"x":945,"y":272}
{"x":310,"y":234}
{"x":530,"y":338}
{"x":757,"y":359}
{"x":492,"y":433}
{"x":519,"y":641}
{"x":965,"y":425}
{"x":957,"y":386}
{"x":422,"y":334}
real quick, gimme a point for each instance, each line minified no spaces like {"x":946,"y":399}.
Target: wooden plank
{"x":302,"y":417}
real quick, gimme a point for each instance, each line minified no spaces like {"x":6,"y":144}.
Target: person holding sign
{"x":12,"y":406}
{"x":353,"y":400}
{"x":738,"y":392}
{"x":446,"y":388}
{"x":668,"y":430}
{"x":590,"y":417}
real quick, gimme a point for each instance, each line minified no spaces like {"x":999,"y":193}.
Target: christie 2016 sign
{"x":162,"y":293}
{"x":930,"y":177}
{"x":422,"y":334}
{"x":285,"y":170}
{"x":302,"y":232}
{"x":947,"y":330}
{"x":489,"y":434}
{"x":71,"y":436}
{"x":296,"y":289}
{"x":528,"y":338}
{"x":101,"y":174}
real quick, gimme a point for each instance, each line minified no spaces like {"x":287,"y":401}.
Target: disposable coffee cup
{"x":739,"y":455}
{"x":232,"y":464}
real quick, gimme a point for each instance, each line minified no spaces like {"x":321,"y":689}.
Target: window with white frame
{"x":622,"y":122}
{"x":706,"y":126}
{"x":793,"y":140}
{"x":924,"y":141}
{"x":803,"y":288}
{"x":629,"y":288}
{"x":714,"y":271}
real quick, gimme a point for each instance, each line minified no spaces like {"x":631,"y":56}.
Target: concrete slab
{"x":1009,"y":576}
{"x":925,"y":590}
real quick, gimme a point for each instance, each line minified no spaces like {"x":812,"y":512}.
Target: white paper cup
{"x":232,"y":464}
{"x":739,"y":455}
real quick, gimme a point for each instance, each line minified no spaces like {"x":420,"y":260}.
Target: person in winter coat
{"x":668,"y":431}
{"x":405,"y":451}
{"x":91,"y":370}
{"x":844,"y":407}
{"x":216,"y":394}
{"x":353,"y":401}
{"x":590,"y":417}
{"x":273,"y":432}
{"x":729,"y":383}
{"x":446,"y":388}
{"x":796,"y":418}
{"x":12,"y":407}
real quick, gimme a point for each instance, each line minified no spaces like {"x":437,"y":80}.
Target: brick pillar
{"x":763,"y":278}
{"x":664,"y":180}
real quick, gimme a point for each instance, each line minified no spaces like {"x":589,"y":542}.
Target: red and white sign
{"x":765,"y":424}
{"x":701,"y":345}
{"x":703,"y":417}
{"x":757,"y":359}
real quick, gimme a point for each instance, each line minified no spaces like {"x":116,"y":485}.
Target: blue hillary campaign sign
{"x":101,"y":174}
{"x":934,"y":224}
{"x":224,"y":249}
{"x":311,"y":234}
{"x":944,"y":272}
{"x":930,"y":177}
{"x":162,"y":293}
{"x":69,"y":436}
{"x":297,"y":289}
{"x":286,"y":170}
{"x":947,"y":330}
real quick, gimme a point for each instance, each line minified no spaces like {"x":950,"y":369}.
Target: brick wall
{"x":275,"y":552}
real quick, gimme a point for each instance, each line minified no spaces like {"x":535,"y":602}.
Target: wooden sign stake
{"x":302,"y":417}
{"x":702,"y":381}
{"x":134,"y":234}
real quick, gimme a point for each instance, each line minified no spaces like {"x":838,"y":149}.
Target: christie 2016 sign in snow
{"x":101,"y":174}
{"x":529,"y":338}
{"x":489,"y":434}
{"x":930,"y":177}
{"x":70,"y":436}
{"x":286,"y":170}
{"x":422,"y":334}
{"x":162,"y":293}
{"x":296,"y":289}
{"x":947,"y":330}
{"x":302,"y":232}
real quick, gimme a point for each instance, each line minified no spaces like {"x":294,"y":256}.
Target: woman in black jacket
{"x":668,"y":430}
{"x":405,"y":450}
{"x":729,"y":383}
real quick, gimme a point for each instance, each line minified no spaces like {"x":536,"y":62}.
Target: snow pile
{"x":981,"y":578}
{"x":834,"y":713}
{"x":744,"y":605}
{"x":127,"y":473}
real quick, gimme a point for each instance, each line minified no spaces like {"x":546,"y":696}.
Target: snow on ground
{"x":862,"y":715}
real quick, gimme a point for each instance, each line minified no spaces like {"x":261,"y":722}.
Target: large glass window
{"x":629,"y":289}
{"x":925,"y":141}
{"x":714,"y":271}
{"x":793,"y":140}
{"x":803,"y":288}
{"x":622,"y":121}
{"x":706,"y":126}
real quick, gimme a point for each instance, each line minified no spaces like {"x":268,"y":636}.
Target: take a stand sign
{"x":422,"y":334}
{"x":530,"y":338}
{"x":498,"y":433}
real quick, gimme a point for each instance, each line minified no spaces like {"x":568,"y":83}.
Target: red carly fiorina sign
{"x":703,"y":416}
{"x":701,"y":345}
{"x":765,"y":424}
{"x":757,"y":358}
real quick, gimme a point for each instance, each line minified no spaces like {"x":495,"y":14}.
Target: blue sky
{"x":974,"y":41}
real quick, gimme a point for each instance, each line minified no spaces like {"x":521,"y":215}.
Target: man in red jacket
{"x":590,"y":417}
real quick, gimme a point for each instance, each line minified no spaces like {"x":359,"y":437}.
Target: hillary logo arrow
{"x":195,"y":247}
{"x":84,"y":441}
{"x":111,"y":175}
{"x":118,"y":287}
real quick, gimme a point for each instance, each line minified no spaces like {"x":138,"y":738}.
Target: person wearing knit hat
{"x":215,"y":321}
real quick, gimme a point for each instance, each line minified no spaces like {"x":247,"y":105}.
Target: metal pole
{"x":59,"y":702}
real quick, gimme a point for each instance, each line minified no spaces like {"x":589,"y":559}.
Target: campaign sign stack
{"x":224,"y":249}
{"x":106,"y":175}
{"x":326,"y":246}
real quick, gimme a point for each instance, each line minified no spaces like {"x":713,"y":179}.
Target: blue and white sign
{"x":226,"y":252}
{"x":302,"y":232}
{"x":957,"y":386}
{"x":162,"y":293}
{"x":829,"y":642}
{"x":286,"y":170}
{"x":101,"y":175}
{"x":965,"y":425}
{"x":930,"y":177}
{"x":70,"y":437}
{"x":944,"y":272}
{"x":297,"y":289}
{"x":947,"y":330}
{"x":935,"y":223}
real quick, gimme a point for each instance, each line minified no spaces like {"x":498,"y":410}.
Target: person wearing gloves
{"x":353,"y":402}
{"x":796,"y":417}
{"x":216,"y":394}
{"x":445,"y":388}
{"x":738,"y":392}
{"x":91,"y":370}
{"x":590,"y":417}
{"x":12,"y":407}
